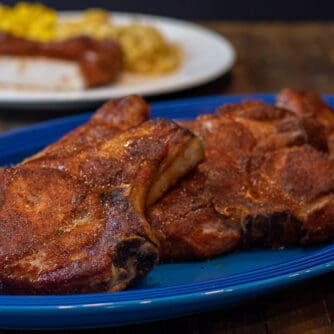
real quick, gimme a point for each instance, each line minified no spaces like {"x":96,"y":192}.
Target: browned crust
{"x":59,"y":236}
{"x":100,"y":62}
{"x":267,"y":181}
{"x":310,"y":107}
{"x":116,"y":173}
{"x":112,"y":118}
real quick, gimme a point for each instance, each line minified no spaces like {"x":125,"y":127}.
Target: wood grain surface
{"x":270,"y":56}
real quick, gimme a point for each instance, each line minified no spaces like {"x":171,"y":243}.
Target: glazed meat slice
{"x":310,"y":107}
{"x":99,"y":239}
{"x":223,"y":205}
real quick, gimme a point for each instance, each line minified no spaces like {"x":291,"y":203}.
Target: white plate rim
{"x":223,"y":46}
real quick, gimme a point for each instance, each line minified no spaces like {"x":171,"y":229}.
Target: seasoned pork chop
{"x":121,"y":175}
{"x":240,"y":196}
{"x":59,"y":236}
{"x":131,"y":153}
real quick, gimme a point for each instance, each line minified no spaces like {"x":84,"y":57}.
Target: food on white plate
{"x":145,"y":48}
{"x":73,"y":64}
{"x":41,"y":50}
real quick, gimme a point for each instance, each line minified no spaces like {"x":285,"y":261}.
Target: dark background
{"x":211,"y":9}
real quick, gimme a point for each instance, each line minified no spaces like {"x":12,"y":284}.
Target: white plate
{"x":207,"y":55}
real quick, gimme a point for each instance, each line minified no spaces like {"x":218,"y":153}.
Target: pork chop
{"x":59,"y":236}
{"x":108,"y":244}
{"x":241,"y":194}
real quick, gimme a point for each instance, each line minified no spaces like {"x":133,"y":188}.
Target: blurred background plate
{"x":207,"y":55}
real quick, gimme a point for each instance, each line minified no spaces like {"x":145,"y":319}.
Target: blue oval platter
{"x":170,"y":290}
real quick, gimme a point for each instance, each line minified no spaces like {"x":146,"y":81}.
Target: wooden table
{"x":270,"y":56}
